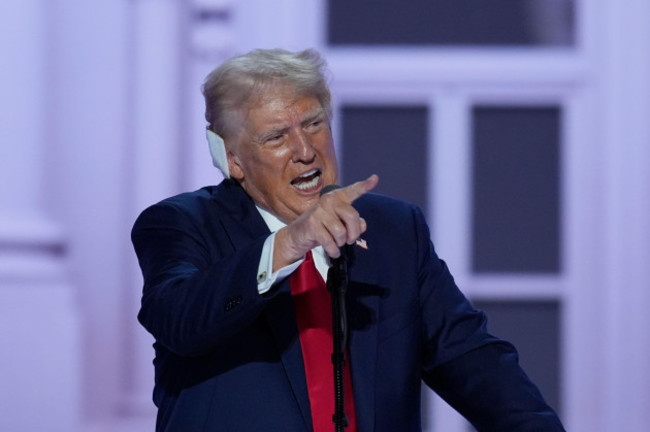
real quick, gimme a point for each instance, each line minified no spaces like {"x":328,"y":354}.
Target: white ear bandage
{"x":218,"y":152}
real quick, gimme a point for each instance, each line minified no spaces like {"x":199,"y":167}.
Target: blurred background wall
{"x":520,"y":127}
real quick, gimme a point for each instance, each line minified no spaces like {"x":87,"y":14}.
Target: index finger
{"x":355,"y":190}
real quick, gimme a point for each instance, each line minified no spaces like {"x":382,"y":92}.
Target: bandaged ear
{"x":218,"y":152}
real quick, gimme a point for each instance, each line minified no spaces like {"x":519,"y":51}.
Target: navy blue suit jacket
{"x":229,"y":359}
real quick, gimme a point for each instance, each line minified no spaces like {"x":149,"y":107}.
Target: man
{"x":225,"y":297}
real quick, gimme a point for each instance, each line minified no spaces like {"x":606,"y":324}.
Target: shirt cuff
{"x":266,"y":278}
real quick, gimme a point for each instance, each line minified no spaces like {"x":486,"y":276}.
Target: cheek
{"x":329,"y":155}
{"x":268,"y":168}
{"x":277,"y":157}
{"x":265,"y":163}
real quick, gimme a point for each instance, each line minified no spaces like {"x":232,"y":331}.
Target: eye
{"x":274,"y":139}
{"x":314,"y":125}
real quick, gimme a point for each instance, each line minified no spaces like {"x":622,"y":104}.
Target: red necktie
{"x":313,"y":306}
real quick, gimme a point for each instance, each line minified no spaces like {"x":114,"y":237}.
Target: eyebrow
{"x":280,"y":130}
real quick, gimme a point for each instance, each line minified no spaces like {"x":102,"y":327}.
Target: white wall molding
{"x":624,"y":66}
{"x":156,"y":162}
{"x":39,"y":326}
{"x":31,"y":250}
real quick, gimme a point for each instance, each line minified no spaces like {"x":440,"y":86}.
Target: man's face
{"x":283,"y":154}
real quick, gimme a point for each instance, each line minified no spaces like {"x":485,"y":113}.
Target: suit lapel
{"x":238,"y":215}
{"x":243,"y":223}
{"x":281,"y":317}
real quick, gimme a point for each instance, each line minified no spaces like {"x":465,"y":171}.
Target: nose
{"x":302,"y":147}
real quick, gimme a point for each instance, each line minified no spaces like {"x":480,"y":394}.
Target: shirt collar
{"x":271,"y":220}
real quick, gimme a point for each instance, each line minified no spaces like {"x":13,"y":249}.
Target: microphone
{"x":337,"y":284}
{"x":329,"y":188}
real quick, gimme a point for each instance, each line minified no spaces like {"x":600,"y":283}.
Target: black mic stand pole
{"x":337,"y":283}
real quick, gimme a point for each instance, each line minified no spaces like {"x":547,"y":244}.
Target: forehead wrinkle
{"x":277,"y":121}
{"x":271,"y":126}
{"x":277,"y":108}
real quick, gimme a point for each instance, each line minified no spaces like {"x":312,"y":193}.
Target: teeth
{"x":308,"y":185}
{"x":308,"y":173}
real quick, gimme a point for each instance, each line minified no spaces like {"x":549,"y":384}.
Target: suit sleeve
{"x":197,"y":291}
{"x":475,"y":372}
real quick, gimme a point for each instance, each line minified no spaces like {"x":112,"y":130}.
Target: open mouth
{"x":308,"y":180}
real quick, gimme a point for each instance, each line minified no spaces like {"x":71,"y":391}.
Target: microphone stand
{"x":337,"y":283}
